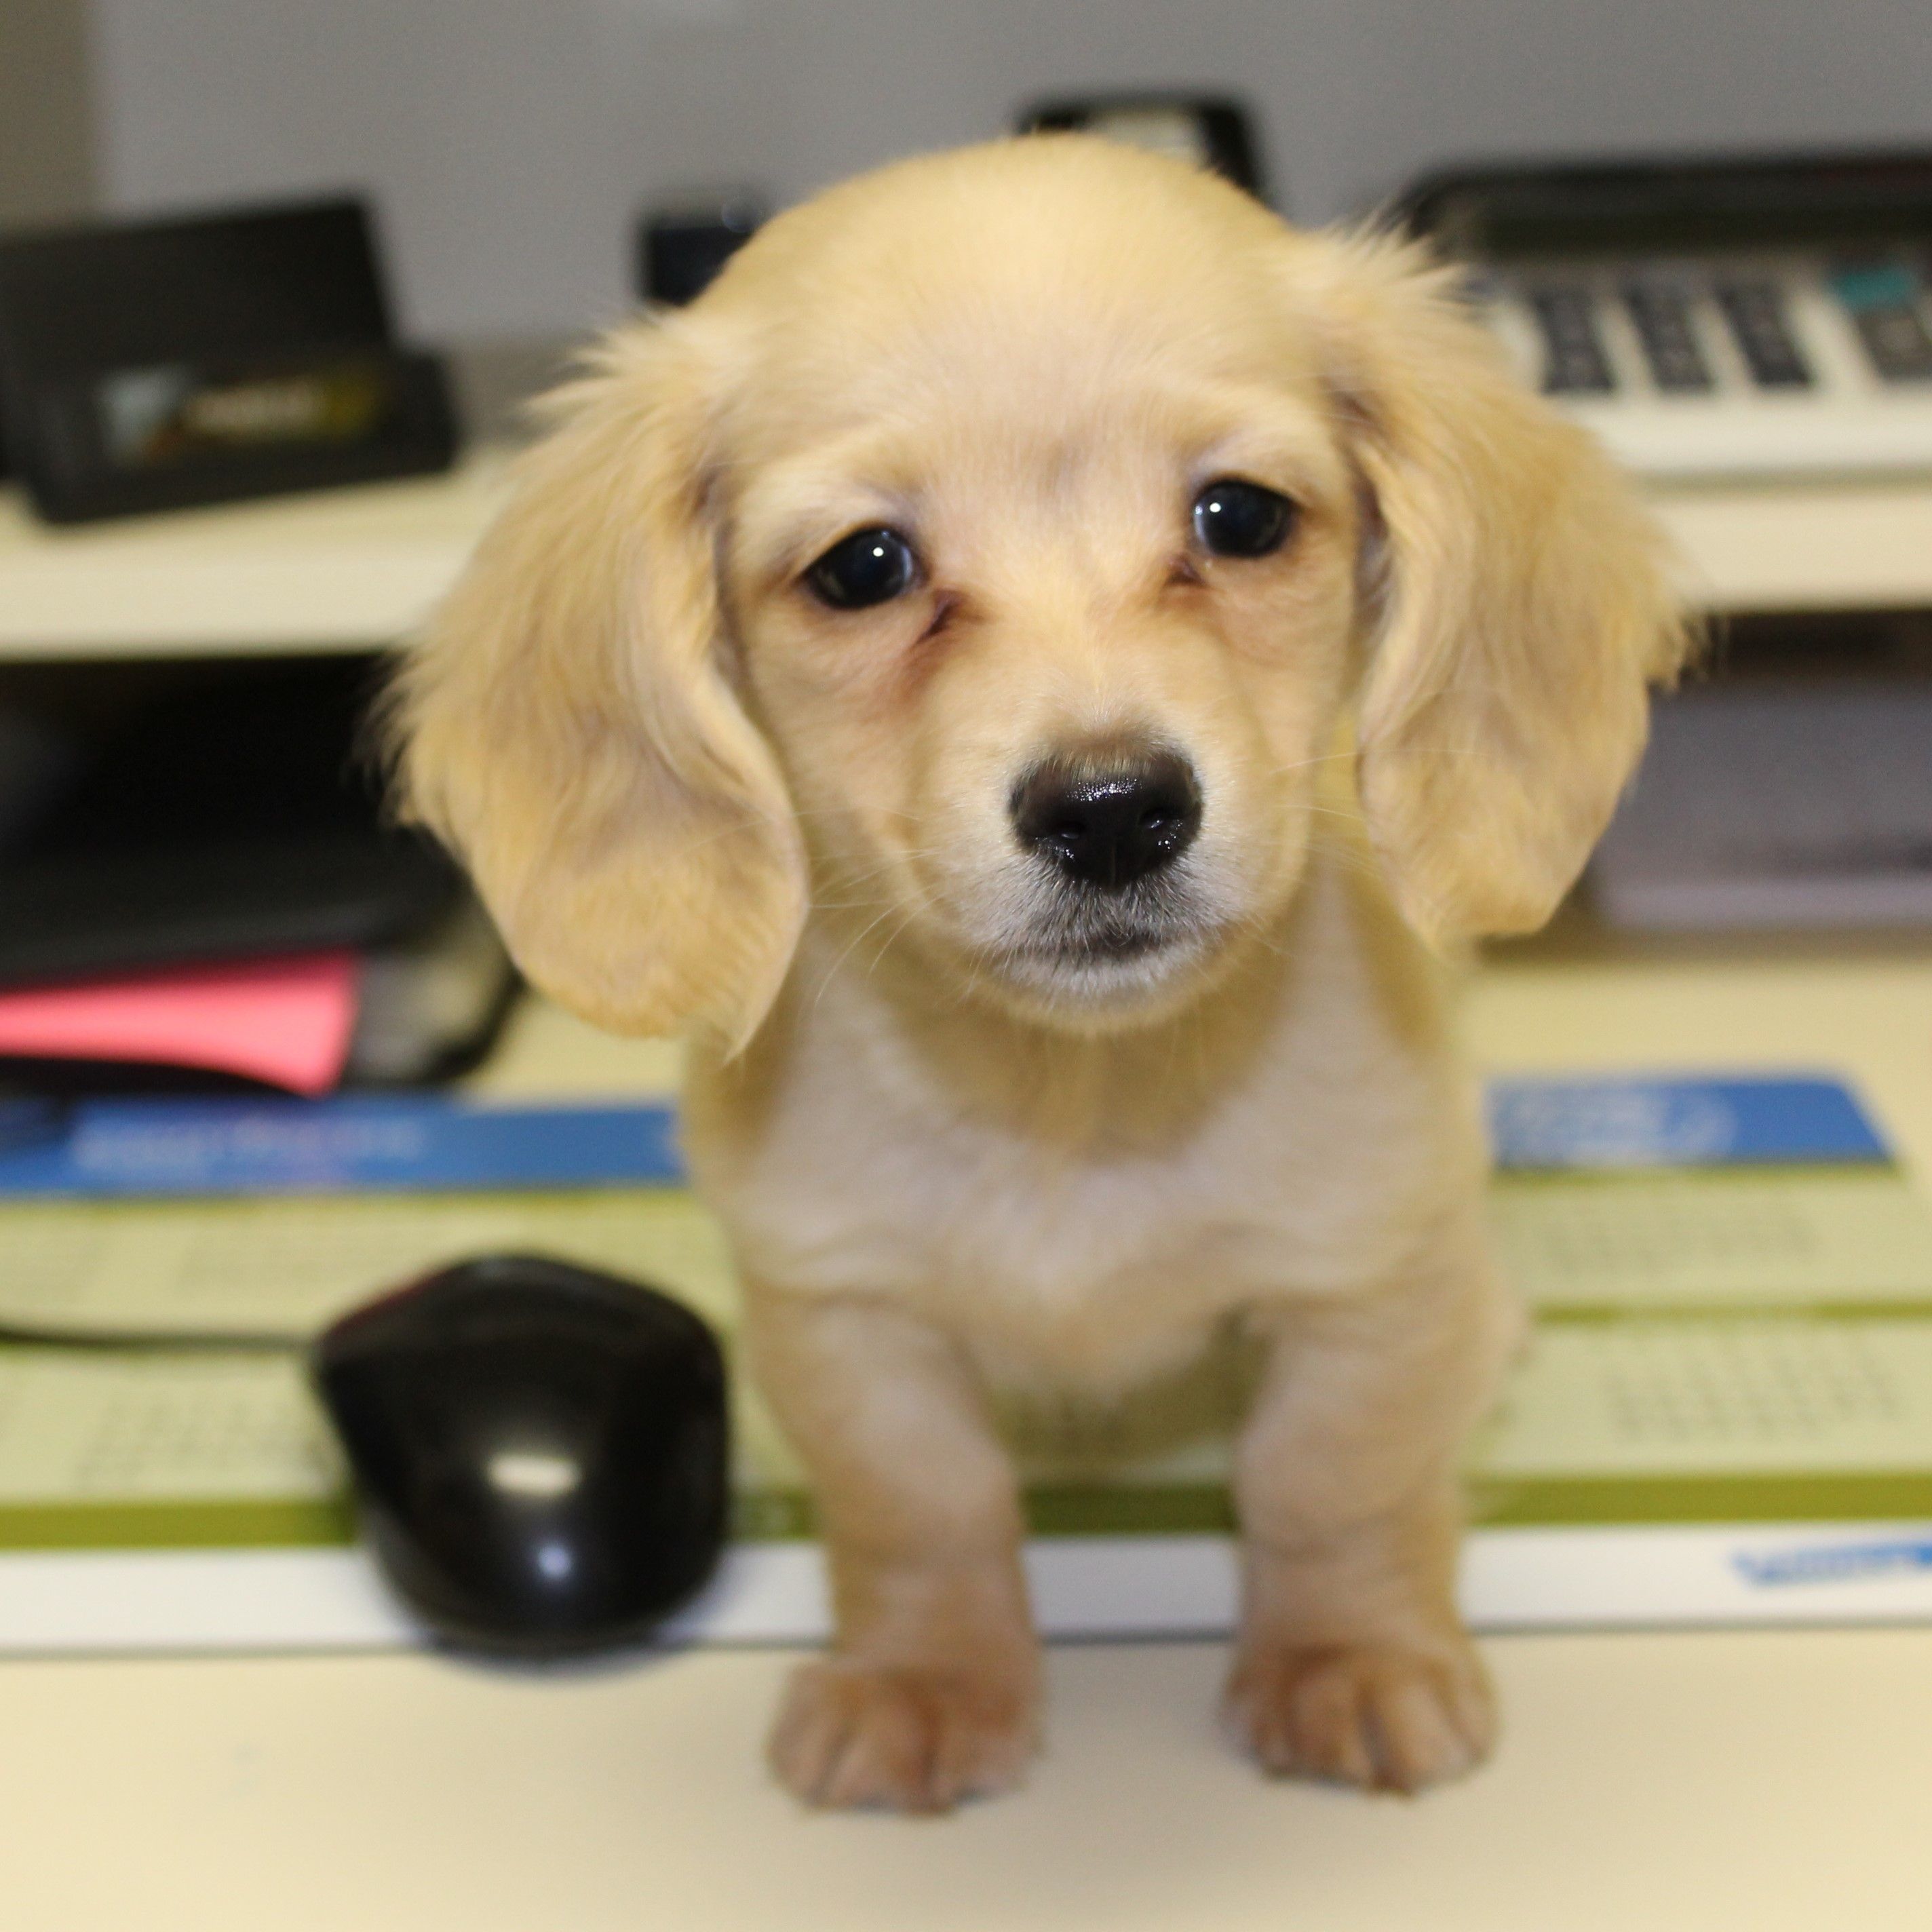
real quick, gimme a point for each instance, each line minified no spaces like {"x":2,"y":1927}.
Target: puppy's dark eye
{"x":1232,"y":518}
{"x":868,"y":567}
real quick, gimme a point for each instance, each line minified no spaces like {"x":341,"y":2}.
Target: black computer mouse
{"x":539,"y":1452}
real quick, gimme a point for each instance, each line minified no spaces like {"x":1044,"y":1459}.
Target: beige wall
{"x":46,"y":159}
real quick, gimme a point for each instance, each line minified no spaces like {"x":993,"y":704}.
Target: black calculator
{"x":1707,"y":319}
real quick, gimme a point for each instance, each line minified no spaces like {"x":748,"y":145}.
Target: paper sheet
{"x":1636,"y":1401}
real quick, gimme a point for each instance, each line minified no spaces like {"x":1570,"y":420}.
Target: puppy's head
{"x":994,"y":556}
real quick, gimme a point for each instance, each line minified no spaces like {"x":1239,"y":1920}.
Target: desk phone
{"x":1728,"y":318}
{"x":1211,"y":130}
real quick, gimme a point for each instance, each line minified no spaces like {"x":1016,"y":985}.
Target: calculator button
{"x":1573,"y":360}
{"x":1883,"y":299}
{"x":1897,"y":341}
{"x":1762,"y":325}
{"x":1661,"y":317}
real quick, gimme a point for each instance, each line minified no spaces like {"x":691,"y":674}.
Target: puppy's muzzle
{"x":1108,"y":825}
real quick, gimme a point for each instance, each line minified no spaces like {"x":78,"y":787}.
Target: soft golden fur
{"x":698,"y":799}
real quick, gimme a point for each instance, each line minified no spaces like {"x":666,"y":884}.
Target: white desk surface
{"x":1715,"y":1782}
{"x":359,"y":568}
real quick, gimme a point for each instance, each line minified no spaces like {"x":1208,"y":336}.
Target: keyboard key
{"x":1574,"y":360}
{"x":1762,"y":326}
{"x":1883,"y":301}
{"x":1661,"y":313}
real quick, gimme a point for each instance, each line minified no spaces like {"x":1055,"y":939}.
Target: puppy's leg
{"x":930,"y":1693}
{"x":1352,"y":1663}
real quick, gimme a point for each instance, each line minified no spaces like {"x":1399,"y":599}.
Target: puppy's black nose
{"x":1108,"y":824}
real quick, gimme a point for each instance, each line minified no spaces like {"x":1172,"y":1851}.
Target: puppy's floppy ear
{"x":568,"y":727}
{"x":1516,"y":600}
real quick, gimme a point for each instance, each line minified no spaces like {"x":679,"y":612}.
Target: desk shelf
{"x":358,"y":569}
{"x":353,"y":569}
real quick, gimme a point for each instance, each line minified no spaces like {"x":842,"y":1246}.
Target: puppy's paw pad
{"x":899,"y":1738}
{"x":1379,"y":1716}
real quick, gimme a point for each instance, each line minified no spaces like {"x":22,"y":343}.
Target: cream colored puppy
{"x":1032,"y":670}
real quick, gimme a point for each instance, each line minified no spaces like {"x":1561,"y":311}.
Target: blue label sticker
{"x":381,"y":1143}
{"x":1703,"y":1122}
{"x":1834,"y":1562}
{"x":413,"y":1142}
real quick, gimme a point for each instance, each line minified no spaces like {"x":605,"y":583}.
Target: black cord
{"x":152,"y":1341}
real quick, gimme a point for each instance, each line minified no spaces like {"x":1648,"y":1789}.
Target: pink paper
{"x":285,"y":1021}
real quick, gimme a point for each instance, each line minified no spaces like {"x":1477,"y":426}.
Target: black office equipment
{"x":1711,"y":317}
{"x":1212,"y":131}
{"x":153,"y":365}
{"x":1792,"y":790}
{"x":681,"y":249}
{"x":207,"y":809}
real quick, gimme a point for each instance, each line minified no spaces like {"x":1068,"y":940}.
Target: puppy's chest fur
{"x":1086,"y":1215}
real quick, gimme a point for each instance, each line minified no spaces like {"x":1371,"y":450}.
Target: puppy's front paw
{"x":900,"y":1737}
{"x":1378,"y":1716}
